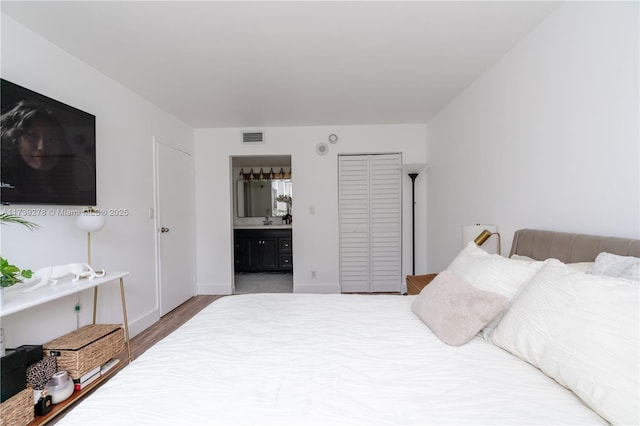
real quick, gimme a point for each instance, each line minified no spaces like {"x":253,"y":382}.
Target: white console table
{"x":15,"y":301}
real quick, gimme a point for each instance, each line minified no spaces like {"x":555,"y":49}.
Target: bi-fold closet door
{"x":370,"y":215}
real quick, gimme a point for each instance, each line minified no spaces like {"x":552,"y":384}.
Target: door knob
{"x":164,"y":230}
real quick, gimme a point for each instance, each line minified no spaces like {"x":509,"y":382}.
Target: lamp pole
{"x":413,"y":177}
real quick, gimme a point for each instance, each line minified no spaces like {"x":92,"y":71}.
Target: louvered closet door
{"x":385,"y":220}
{"x":370,"y":223}
{"x":354,"y":223}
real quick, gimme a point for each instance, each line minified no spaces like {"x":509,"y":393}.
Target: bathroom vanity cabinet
{"x":263,"y":250}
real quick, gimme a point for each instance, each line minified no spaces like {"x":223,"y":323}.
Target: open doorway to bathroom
{"x":262,"y":224}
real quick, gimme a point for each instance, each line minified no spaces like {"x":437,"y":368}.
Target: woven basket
{"x":86,"y":348}
{"x":415,"y":283}
{"x":18,"y":410}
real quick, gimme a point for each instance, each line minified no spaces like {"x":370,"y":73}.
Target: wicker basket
{"x":86,"y":348}
{"x":18,"y":410}
{"x":415,"y":283}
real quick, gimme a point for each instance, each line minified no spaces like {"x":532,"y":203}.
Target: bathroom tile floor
{"x":263,"y":282}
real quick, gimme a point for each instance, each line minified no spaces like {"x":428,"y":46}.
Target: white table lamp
{"x":90,"y":220}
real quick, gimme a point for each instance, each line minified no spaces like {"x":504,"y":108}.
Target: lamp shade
{"x":414,"y":168}
{"x":90,"y":220}
{"x":483,"y":237}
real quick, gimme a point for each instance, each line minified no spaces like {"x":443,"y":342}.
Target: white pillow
{"x":580,"y":266}
{"x":493,"y":273}
{"x":612,"y":265}
{"x":523,"y":258}
{"x":581,"y":330}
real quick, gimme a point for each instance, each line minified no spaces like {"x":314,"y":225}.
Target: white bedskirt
{"x":300,"y":359}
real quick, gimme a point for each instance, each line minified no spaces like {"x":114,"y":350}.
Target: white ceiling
{"x":257,"y":64}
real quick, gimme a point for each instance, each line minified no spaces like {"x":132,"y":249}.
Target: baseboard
{"x":214,"y":289}
{"x":322,"y":288}
{"x":142,"y":323}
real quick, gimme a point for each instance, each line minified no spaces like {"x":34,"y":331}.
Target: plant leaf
{"x":9,"y":218}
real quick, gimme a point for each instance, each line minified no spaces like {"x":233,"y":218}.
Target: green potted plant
{"x":11,"y":274}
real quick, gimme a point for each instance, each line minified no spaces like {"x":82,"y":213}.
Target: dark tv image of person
{"x":38,"y":165}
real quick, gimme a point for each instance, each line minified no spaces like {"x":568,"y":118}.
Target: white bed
{"x":298,"y":359}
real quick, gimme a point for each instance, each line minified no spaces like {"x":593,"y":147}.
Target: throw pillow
{"x":613,"y":265}
{"x":454,"y":310}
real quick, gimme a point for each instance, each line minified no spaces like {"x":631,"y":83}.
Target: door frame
{"x":156,"y":222}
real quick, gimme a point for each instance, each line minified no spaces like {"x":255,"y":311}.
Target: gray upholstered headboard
{"x":569,"y":248}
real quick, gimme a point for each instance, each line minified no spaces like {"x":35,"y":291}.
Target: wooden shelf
{"x":77,"y":395}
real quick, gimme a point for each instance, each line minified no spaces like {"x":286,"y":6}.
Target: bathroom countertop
{"x":260,"y":226}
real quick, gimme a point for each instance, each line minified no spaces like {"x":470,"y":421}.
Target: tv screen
{"x":48,"y":153}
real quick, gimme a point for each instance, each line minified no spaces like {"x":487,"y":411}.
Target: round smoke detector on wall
{"x":333,"y":138}
{"x":322,"y":148}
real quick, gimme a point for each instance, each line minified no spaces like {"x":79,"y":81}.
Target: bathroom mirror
{"x":263,"y":198}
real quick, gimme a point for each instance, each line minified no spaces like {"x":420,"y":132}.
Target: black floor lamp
{"x":413,"y":170}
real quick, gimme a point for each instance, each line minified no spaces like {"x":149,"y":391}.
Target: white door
{"x":175,"y":226}
{"x":386,"y":222}
{"x":353,"y":196}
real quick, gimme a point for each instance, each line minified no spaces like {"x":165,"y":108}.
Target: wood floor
{"x":169,"y":323}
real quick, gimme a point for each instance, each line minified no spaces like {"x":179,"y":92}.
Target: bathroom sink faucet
{"x":267,"y":221}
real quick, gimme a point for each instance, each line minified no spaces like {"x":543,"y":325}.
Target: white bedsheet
{"x":298,"y":359}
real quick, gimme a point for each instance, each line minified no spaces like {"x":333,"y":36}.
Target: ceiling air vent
{"x":252,"y":137}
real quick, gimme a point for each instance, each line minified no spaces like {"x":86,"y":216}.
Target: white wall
{"x":126,"y":124}
{"x":315,"y":184}
{"x":547,"y":138}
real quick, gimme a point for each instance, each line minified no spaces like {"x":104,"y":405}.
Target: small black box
{"x":43,"y":406}
{"x":34,"y":353}
{"x":13,"y":373}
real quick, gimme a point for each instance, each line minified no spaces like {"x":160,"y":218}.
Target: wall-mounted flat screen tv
{"x":48,"y":151}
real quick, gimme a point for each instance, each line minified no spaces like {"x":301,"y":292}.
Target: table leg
{"x":95,"y":302}
{"x":124,"y":315}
